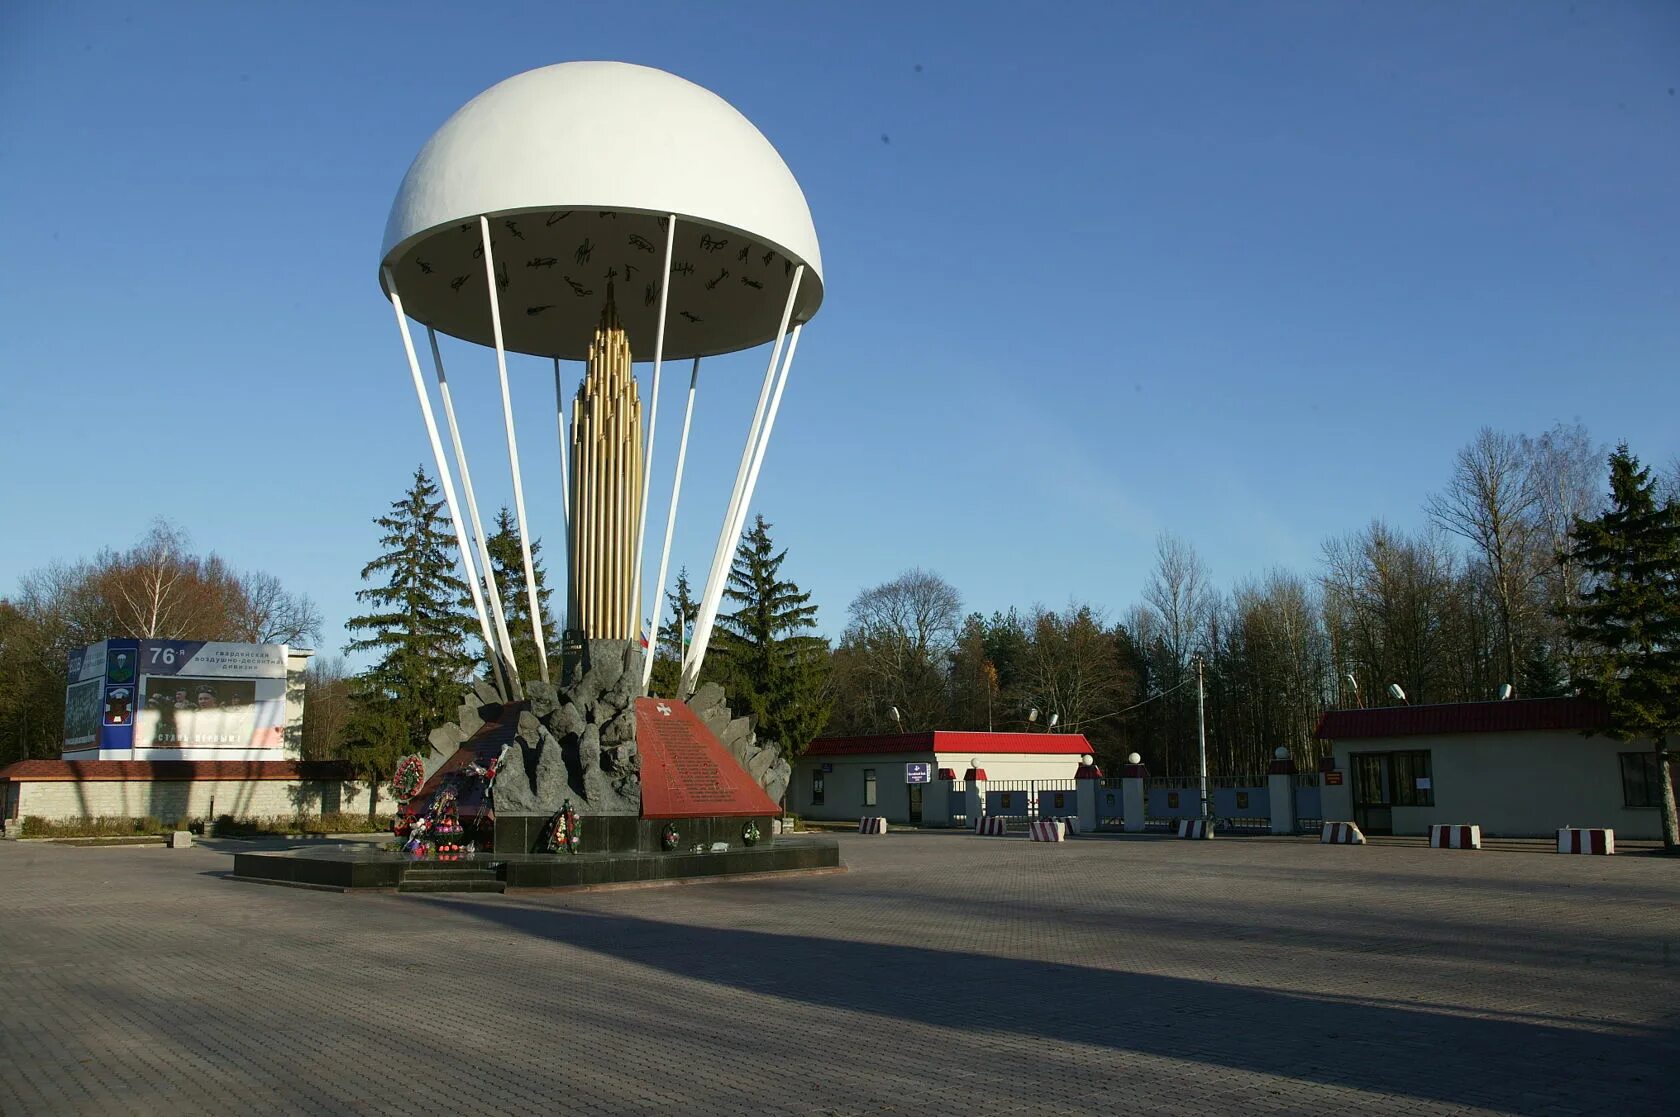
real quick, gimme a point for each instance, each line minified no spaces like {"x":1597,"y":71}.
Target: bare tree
{"x":1282,"y":660}
{"x":1389,"y":604}
{"x":1180,"y":594}
{"x":159,"y":589}
{"x":1564,"y":466}
{"x":1073,"y":668}
{"x":1668,"y":484}
{"x":900,"y":636}
{"x":265,"y":612}
{"x":1490,"y":501}
{"x":326,"y":709}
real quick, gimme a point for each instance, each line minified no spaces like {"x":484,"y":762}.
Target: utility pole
{"x":1201,"y":736}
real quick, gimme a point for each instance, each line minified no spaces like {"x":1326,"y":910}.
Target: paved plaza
{"x":945,"y":973}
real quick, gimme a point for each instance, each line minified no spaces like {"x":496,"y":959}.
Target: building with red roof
{"x":1517,"y":768}
{"x":844,"y":778}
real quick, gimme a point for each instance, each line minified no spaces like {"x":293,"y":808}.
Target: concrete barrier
{"x":1341,"y":834}
{"x":990,"y":826}
{"x":1048,"y":830}
{"x":1573,"y":839}
{"x":872,"y":825}
{"x":1195,"y":828}
{"x":180,"y":839}
{"x":1454,"y":836}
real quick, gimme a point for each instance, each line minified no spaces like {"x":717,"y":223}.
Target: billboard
{"x":81,"y":713}
{"x":206,"y":694}
{"x":174,"y":695}
{"x":182,"y":712}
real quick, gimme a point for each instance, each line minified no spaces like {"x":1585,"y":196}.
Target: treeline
{"x":1476,"y":599}
{"x":159,"y":589}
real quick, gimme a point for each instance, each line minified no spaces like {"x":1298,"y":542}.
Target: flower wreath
{"x":669,"y":838}
{"x":749,"y":833}
{"x":565,"y":830}
{"x":410,"y":774}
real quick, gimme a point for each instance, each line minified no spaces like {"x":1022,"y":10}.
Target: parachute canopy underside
{"x":578,"y":166}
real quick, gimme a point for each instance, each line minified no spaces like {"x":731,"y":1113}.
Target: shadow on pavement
{"x":1376,"y":1047}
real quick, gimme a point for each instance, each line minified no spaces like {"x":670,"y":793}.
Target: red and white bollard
{"x":1341,"y":834}
{"x":1577,"y":840}
{"x":1444,"y":836}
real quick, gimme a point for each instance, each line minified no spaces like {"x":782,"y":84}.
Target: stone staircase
{"x":450,"y":876}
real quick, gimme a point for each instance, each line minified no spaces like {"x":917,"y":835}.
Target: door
{"x":915,"y":804}
{"x":1373,"y":781}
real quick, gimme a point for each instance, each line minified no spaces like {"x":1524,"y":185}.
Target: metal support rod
{"x":1201,"y":738}
{"x":505,"y":642}
{"x":702,"y":638}
{"x":716,"y":575}
{"x":513,"y":449}
{"x":565,"y":487}
{"x":670,"y":527}
{"x":448,"y":484}
{"x":653,"y":428}
{"x":769,"y":423}
{"x":723,"y":555}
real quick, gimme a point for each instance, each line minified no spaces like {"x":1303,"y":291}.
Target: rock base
{"x":575,"y":741}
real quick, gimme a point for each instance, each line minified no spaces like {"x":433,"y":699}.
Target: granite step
{"x":450,"y":885}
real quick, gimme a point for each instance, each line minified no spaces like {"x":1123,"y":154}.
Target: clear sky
{"x":1249,"y":272}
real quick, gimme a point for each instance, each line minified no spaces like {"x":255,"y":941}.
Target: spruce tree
{"x":770,"y":665}
{"x":508,"y":565}
{"x":675,"y":627}
{"x":417,"y":626}
{"x":1628,"y":621}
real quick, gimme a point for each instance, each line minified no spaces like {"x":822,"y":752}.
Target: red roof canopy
{"x":887,"y":744}
{"x":1512,"y":716}
{"x":91,"y":771}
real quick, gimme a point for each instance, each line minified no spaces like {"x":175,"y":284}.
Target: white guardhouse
{"x":843,"y":778}
{"x":1518,"y":768}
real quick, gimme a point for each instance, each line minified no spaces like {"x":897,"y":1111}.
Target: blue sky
{"x":1247,"y":272}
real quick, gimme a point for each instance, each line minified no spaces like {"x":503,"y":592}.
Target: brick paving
{"x":945,"y":973}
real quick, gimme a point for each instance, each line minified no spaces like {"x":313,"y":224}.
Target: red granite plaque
{"x":686,"y":771}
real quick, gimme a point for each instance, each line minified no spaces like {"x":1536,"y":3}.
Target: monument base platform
{"x":528,"y":833}
{"x":350,"y":868}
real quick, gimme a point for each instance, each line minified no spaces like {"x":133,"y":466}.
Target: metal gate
{"x":1238,"y":804}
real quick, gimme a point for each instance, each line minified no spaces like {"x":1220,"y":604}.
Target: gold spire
{"x":606,"y":487}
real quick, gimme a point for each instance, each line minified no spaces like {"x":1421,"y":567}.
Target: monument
{"x":601,"y":212}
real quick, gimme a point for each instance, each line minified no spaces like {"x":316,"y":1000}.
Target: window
{"x":1413,"y":784}
{"x":816,"y":789}
{"x":869,"y":787}
{"x":1640,"y":787}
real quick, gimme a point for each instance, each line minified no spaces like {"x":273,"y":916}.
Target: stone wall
{"x":174,"y":799}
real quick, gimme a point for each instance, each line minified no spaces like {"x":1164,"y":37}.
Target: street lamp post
{"x":1201,"y":737}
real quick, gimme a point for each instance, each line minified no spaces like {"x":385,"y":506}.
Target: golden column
{"x":606,"y":488}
